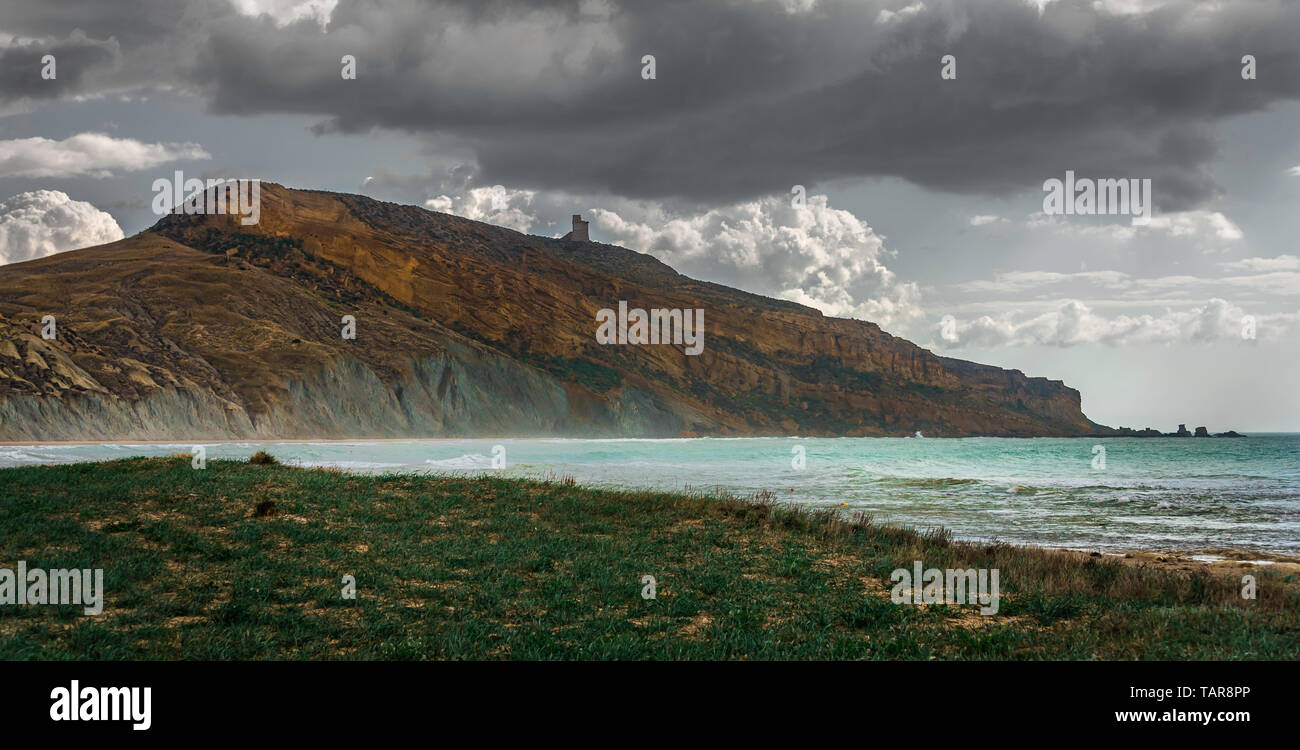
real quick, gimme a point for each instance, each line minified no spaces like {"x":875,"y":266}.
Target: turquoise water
{"x":1153,"y":493}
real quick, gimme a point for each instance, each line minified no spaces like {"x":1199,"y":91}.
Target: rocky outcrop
{"x":1150,"y":432}
{"x":459,"y":393}
{"x":202,"y":328}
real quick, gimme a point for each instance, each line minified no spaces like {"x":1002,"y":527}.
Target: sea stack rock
{"x":1202,"y":432}
{"x":1182,"y":431}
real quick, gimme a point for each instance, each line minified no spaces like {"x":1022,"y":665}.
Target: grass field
{"x":245,"y":561}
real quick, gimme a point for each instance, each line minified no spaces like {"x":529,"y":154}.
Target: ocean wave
{"x":358,"y":465}
{"x":467,"y":461}
{"x":21,"y":456}
{"x":926,"y":481}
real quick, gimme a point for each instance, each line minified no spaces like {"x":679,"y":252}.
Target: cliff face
{"x":200,"y":328}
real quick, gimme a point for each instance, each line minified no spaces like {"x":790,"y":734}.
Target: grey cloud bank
{"x":749,"y":98}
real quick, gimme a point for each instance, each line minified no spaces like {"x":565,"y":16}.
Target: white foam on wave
{"x":24,"y":456}
{"x":358,"y":465}
{"x":467,"y":461}
{"x":664,"y":440}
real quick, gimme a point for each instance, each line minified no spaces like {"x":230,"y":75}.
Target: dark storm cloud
{"x":751,"y":98}
{"x":131,"y":22}
{"x":76,"y":60}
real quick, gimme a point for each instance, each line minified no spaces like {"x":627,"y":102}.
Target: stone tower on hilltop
{"x":579,"y":232}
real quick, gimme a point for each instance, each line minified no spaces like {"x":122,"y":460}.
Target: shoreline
{"x":246,"y":562}
{"x":1230,"y":559}
{"x":1225,"y":558}
{"x":445,"y":439}
{"x":1222,"y":557}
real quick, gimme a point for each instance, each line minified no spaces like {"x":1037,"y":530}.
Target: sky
{"x":878,"y":160}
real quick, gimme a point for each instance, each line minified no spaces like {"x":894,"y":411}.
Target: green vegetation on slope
{"x":244,"y":561}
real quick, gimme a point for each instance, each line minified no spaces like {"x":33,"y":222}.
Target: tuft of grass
{"x":262,"y":457}
{"x":488,"y":567}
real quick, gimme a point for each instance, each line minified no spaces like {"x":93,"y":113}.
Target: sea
{"x":1107,"y":494}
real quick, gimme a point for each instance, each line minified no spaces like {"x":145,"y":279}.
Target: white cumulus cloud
{"x":505,"y":207}
{"x":88,"y":154}
{"x":889,"y":16}
{"x":1184,"y":224}
{"x":1264,"y":265}
{"x":284,"y":12}
{"x":44,"y":222}
{"x":1074,"y":323}
{"x":816,"y":255}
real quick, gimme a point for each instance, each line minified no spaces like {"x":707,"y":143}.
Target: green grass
{"x":496,"y":568}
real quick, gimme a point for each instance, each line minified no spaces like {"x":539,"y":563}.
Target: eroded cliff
{"x":201,"y":328}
